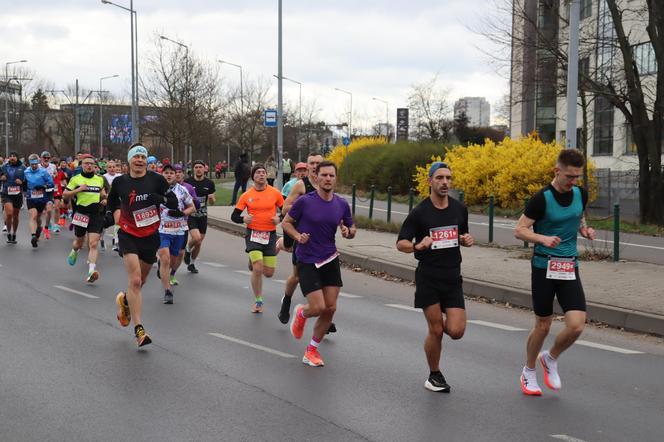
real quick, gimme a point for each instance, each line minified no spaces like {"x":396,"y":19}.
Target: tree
{"x":39,"y":114}
{"x":430,"y":111}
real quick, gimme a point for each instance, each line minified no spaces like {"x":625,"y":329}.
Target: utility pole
{"x":572,"y":72}
{"x":280,"y":109}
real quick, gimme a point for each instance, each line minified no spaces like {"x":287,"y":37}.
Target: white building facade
{"x":477,"y":109}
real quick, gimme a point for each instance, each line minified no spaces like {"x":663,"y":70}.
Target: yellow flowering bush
{"x":511,"y":170}
{"x":338,"y":154}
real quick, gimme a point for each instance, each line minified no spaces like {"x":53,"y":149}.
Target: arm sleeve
{"x":113,"y":197}
{"x":236,"y":216}
{"x":536,"y":207}
{"x":409,"y":227}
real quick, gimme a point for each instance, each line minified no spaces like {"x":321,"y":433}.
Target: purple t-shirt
{"x":320,"y":219}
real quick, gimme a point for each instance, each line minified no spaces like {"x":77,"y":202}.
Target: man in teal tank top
{"x":555,"y":215}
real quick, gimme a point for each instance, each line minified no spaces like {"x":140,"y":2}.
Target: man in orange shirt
{"x":262,"y":203}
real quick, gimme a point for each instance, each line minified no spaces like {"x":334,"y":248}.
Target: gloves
{"x":156,"y":199}
{"x":175,"y":213}
{"x":108,"y":219}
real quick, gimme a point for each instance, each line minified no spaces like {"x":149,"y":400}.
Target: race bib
{"x":260,"y":237}
{"x":13,"y":190}
{"x":36,"y":194}
{"x":444,"y":237}
{"x":326,"y":261}
{"x":561,"y":268}
{"x":81,"y":220}
{"x":172,"y":227}
{"x":146,"y":217}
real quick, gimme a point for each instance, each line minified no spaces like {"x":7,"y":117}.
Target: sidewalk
{"x":623,"y":294}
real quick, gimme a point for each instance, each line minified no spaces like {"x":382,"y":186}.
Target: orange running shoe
{"x":312,"y":358}
{"x":47,"y":233}
{"x":124,"y":315}
{"x":297,"y":323}
{"x":61,"y":222}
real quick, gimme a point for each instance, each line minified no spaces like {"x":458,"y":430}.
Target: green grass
{"x":626,"y":227}
{"x":223,"y":196}
{"x":363,"y":222}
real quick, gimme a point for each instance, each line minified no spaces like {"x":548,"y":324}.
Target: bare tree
{"x":430,"y":111}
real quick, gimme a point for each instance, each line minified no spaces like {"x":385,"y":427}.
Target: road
{"x":217,"y":372}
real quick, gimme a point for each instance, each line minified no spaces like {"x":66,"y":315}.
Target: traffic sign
{"x":346,"y":141}
{"x":270,"y":118}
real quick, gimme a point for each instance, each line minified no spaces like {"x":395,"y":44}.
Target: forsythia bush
{"x":510,"y":170}
{"x":338,"y":154}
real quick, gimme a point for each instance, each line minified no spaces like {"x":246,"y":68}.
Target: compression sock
{"x":313,"y":344}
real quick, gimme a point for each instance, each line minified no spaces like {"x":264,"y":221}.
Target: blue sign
{"x":270,"y":118}
{"x":346,"y":141}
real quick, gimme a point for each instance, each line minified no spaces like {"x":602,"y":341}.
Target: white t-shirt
{"x":51,"y":168}
{"x":110,"y":178}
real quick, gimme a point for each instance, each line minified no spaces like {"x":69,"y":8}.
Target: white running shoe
{"x":550,"y":367}
{"x":529,"y":385}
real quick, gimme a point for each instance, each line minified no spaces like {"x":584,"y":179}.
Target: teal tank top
{"x":563,"y":222}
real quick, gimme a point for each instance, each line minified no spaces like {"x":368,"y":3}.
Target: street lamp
{"x":101,"y":114}
{"x":134,"y":66}
{"x":187,"y":148}
{"x":7,"y":103}
{"x":387,"y":117}
{"x":350,"y":116}
{"x":241,"y":104}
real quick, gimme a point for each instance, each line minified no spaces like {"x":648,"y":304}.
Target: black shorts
{"x":269,"y":249}
{"x":569,"y":293}
{"x":431,"y":288}
{"x":15,"y":200}
{"x":145,"y":247}
{"x":95,"y":225}
{"x":57,"y":197}
{"x":312,"y":278}
{"x":40,"y":205}
{"x":198,"y":222}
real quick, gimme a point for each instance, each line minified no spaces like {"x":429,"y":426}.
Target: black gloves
{"x":175,"y":213}
{"x":108,"y":219}
{"x":156,"y":199}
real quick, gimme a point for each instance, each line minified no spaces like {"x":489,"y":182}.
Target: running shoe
{"x":187,"y":257}
{"x":173,"y":281}
{"x":192,"y":268}
{"x":142,"y":338}
{"x":38,"y":232}
{"x":102,"y":245}
{"x":529,"y":385}
{"x":93,"y":276}
{"x":47,"y":233}
{"x":4,"y":228}
{"x":116,"y":248}
{"x":124,"y":315}
{"x":284,"y":312}
{"x":34,"y":241}
{"x":297,"y":323}
{"x":550,"y":368}
{"x":257,"y":307}
{"x":437,"y":383}
{"x":331,"y":329}
{"x":72,"y":257}
{"x":168,"y":297}
{"x":55,"y":228}
{"x":14,"y":238}
{"x":9,"y":238}
{"x":312,"y":358}
{"x":62,"y":222}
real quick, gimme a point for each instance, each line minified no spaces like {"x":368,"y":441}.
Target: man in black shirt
{"x":439,"y":225}
{"x":205,"y":190}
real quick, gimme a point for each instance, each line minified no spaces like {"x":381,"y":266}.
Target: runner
{"x":38,"y":181}
{"x":134,"y":201}
{"x":176,"y":262}
{"x":300,"y":172}
{"x":198,"y":220}
{"x":556,"y":215}
{"x":49,"y":211}
{"x":317,"y":216}
{"x":171,"y":232}
{"x":439,"y":225}
{"x":112,"y":172}
{"x":88,"y":192}
{"x":61,"y":179}
{"x":261,"y":202}
{"x":12,"y":176}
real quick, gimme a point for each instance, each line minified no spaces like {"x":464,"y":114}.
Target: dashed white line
{"x":403,"y":307}
{"x":214,"y":264}
{"x":349,"y":295}
{"x":244,"y":272}
{"x":252,"y":345}
{"x":494,"y":325}
{"x":608,"y":347}
{"x":76,"y":292}
{"x":566,"y":438}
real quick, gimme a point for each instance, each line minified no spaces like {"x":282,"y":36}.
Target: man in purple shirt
{"x":317,"y":216}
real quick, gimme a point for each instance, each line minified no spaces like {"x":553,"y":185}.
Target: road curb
{"x":631,"y":320}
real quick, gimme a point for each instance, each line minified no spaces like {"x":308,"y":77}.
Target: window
{"x":644,"y":57}
{"x":630,"y":145}
{"x":586,"y":8}
{"x":603,"y":127}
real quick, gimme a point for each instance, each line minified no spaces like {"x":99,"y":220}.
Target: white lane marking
{"x":403,"y":307}
{"x":76,"y":292}
{"x":566,"y":438}
{"x":607,"y":241}
{"x":494,"y":325}
{"x":378,"y":209}
{"x":244,"y":272}
{"x":608,"y":347}
{"x":280,"y":281}
{"x":252,"y":345}
{"x":349,"y":295}
{"x":214,"y":264}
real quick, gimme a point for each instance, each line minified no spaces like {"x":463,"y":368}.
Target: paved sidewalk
{"x":623,"y":294}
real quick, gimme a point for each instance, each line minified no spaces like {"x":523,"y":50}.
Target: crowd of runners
{"x":155,"y":213}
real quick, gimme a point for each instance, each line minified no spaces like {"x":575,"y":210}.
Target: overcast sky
{"x":369,"y":47}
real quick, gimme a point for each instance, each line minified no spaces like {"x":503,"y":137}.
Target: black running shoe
{"x":9,"y":238}
{"x":187,"y":257}
{"x":142,"y":338}
{"x":38,"y":232}
{"x":284,"y":312}
{"x":331,"y":329}
{"x":34,"y":241}
{"x":159,"y":273}
{"x":437,"y":383}
{"x":168,"y":297}
{"x":14,"y":238}
{"x":192,"y":268}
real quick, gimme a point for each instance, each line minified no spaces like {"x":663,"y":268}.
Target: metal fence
{"x":617,"y":186}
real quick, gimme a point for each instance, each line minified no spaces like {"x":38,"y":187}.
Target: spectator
{"x":287,"y":167}
{"x":242,"y":172}
{"x":271,"y":169}
{"x":224,"y":168}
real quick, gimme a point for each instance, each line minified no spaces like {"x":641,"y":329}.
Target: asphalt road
{"x":216,"y":372}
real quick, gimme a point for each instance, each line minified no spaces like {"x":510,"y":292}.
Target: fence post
{"x":371,"y":203}
{"x":389,"y":203}
{"x":462,"y":196}
{"x":411,"y":197}
{"x":490,"y":218}
{"x":610,"y":193}
{"x":525,"y":204}
{"x":616,"y":232}
{"x":353,"y":199}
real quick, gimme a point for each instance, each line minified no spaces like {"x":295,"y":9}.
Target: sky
{"x":371,"y":48}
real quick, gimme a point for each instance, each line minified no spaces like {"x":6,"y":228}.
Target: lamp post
{"x":101,"y":115}
{"x":7,"y":103}
{"x":187,"y":147}
{"x":241,"y":104}
{"x":387,"y":117}
{"x":572,"y":72}
{"x":350,"y":116}
{"x":134,"y":66}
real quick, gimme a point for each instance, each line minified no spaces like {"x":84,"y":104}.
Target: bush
{"x":511,"y":170}
{"x":338,"y":154}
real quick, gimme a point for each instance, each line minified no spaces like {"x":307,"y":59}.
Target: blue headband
{"x":136,"y":150}
{"x":435,"y":166}
{"x":35,"y":161}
